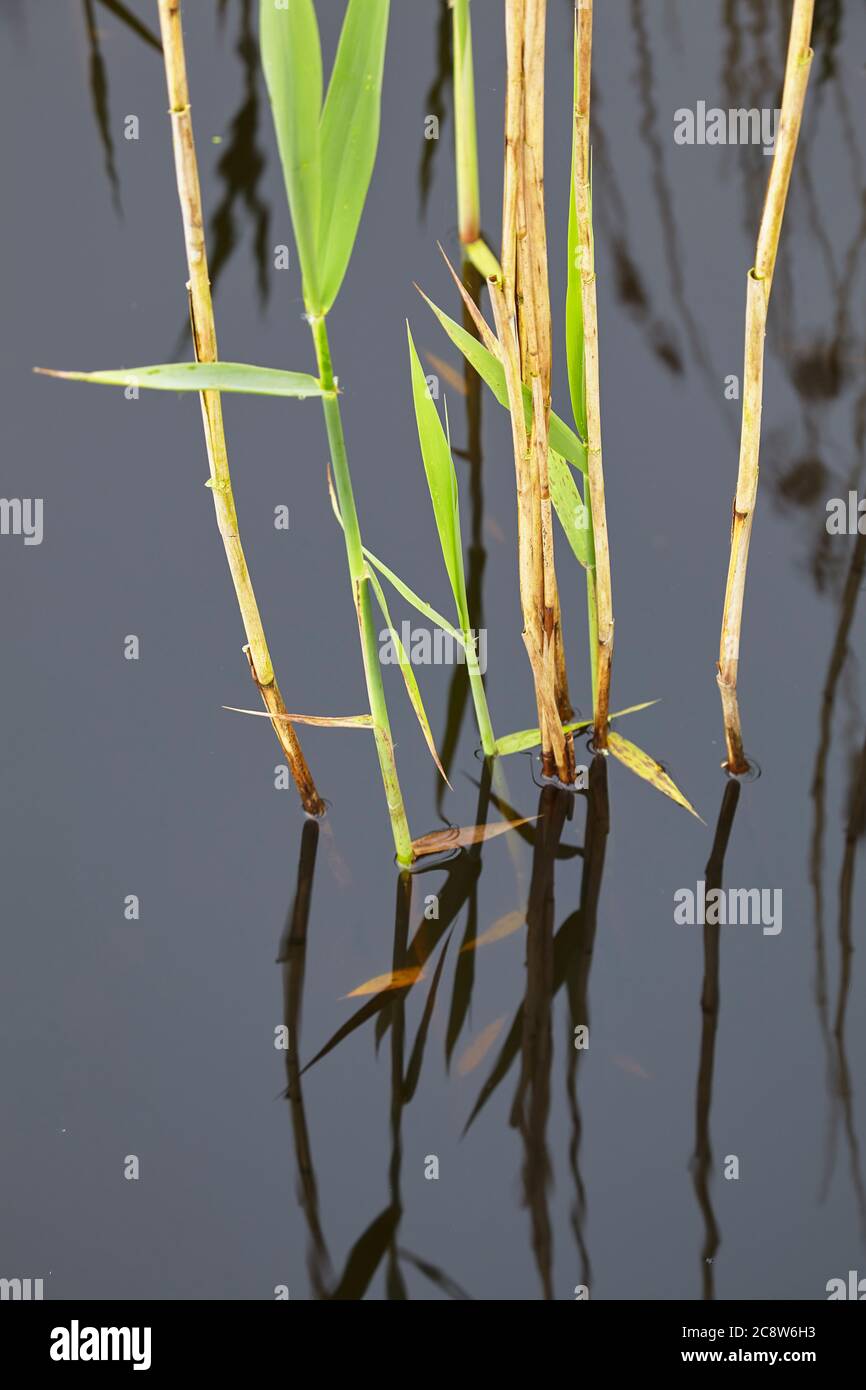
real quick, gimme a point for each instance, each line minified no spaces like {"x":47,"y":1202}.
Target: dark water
{"x":155,"y":1038}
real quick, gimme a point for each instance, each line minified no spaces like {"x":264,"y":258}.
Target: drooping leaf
{"x":570,"y":508}
{"x":640,"y":763}
{"x":202,"y":376}
{"x":442,"y":482}
{"x":349,"y":137}
{"x":292,"y":61}
{"x":529,"y":738}
{"x":321,"y":721}
{"x":562,"y":438}
{"x":408,"y":675}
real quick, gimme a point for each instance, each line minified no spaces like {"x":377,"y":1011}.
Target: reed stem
{"x":205,"y":343}
{"x":603,"y":625}
{"x":465,"y":136}
{"x":759,"y":285}
{"x":361,"y":593}
{"x":521,"y":306}
{"x":479,"y":699}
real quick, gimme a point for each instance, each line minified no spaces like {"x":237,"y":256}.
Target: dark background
{"x":155,"y":1037}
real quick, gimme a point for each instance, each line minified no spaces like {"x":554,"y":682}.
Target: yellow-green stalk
{"x":475,"y":249}
{"x":361,"y":594}
{"x":601,"y":622}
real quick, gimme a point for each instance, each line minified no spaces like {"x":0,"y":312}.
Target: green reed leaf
{"x":530,"y":738}
{"x":349,"y":137}
{"x":203,"y":376}
{"x":570,"y":508}
{"x":442,"y":482}
{"x":292,"y":61}
{"x":562,"y":438}
{"x":407,"y":673}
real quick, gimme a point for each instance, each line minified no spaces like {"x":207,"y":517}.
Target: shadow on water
{"x":434,"y":105}
{"x":702,"y":1158}
{"x":98,"y":77}
{"x":554,"y":958}
{"x":241,"y":167}
{"x":833,"y":1031}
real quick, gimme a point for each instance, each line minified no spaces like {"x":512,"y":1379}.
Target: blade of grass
{"x":349,"y":137}
{"x":291,"y":55}
{"x":490,"y":369}
{"x":292,"y":62}
{"x":530,"y":738}
{"x":442,"y":483}
{"x":639,"y":762}
{"x":201,"y":376}
{"x":408,"y":676}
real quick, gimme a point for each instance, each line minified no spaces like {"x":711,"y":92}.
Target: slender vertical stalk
{"x":361,"y":593}
{"x":205,"y":342}
{"x":479,"y":700}
{"x":465,"y":137}
{"x":759,"y":285}
{"x":582,"y":174}
{"x":521,"y":306}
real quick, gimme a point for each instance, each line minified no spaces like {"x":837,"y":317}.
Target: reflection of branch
{"x":663,"y":195}
{"x":434,"y":103}
{"x":853,"y":833}
{"x":241,"y":167}
{"x":531,"y":1107}
{"x":99,"y":97}
{"x":577,"y":981}
{"x":838,"y":660}
{"x":703,"y":1156}
{"x":292,"y":956}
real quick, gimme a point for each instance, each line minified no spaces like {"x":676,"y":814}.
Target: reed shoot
{"x":328,"y":149}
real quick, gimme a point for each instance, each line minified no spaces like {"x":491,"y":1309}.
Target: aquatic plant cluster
{"x":327,"y":135}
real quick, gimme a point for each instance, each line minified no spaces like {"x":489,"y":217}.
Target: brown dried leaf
{"x":458,"y":837}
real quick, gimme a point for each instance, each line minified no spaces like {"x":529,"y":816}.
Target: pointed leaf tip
{"x":646,"y":767}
